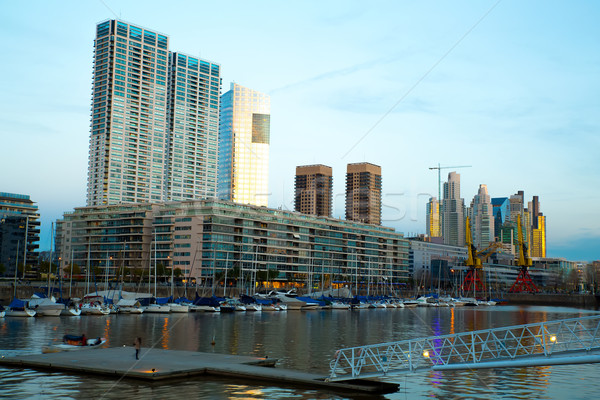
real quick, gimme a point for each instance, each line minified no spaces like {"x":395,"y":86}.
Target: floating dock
{"x":157,"y":365}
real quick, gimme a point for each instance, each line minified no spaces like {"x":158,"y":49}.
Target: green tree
{"x":177,"y":273}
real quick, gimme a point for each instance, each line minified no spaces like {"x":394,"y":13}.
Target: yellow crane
{"x":523,"y":283}
{"x":475,"y":260}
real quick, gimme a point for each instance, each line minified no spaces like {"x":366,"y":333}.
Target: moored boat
{"x":72,"y":342}
{"x":19,"y":308}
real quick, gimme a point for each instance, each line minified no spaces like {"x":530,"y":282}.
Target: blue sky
{"x":508,"y":87}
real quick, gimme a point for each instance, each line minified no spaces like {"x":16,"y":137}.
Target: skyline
{"x":508,"y":88}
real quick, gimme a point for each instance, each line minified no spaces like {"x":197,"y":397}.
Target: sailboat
{"x":160,"y":304}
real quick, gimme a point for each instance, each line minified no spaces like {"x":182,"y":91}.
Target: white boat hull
{"x":71,"y":312}
{"x":20,"y":313}
{"x":157,"y":308}
{"x":179,"y":308}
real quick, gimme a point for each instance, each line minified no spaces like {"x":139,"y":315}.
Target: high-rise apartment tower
{"x":453,"y":214}
{"x":363,"y":193}
{"x":154,"y":118}
{"x":244,"y":137}
{"x":313,"y":190}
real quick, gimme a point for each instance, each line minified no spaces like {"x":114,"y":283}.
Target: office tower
{"x":500,"y":210}
{"x":313,"y":190}
{"x":19,"y":232}
{"x":154,"y":119}
{"x":537,"y":245}
{"x":363,"y":193}
{"x":433,"y":218}
{"x":453,"y":214}
{"x":193,"y":112}
{"x":482,"y":218}
{"x":244,"y":136}
{"x":128,"y":142}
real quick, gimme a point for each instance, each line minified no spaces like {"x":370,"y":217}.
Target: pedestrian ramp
{"x":560,"y":342}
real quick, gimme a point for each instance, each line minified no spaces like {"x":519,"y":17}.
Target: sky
{"x":509,"y":88}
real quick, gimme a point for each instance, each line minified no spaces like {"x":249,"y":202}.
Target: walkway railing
{"x":569,"y":341}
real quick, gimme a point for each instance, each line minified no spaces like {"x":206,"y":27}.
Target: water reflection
{"x":300,"y":340}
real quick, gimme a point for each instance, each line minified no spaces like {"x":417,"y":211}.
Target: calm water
{"x":300,"y":340}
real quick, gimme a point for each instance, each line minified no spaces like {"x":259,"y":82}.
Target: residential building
{"x":207,"y":237}
{"x":363,"y":193}
{"x":244,"y":137}
{"x":129,"y":137}
{"x":482,"y":218}
{"x":313,"y":192}
{"x":154,"y":119}
{"x":453,"y":214}
{"x":193,"y":112}
{"x":19,"y":232}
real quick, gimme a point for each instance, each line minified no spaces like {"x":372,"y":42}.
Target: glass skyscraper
{"x":154,"y":119}
{"x":244,"y":137}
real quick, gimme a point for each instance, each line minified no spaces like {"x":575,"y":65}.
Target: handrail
{"x":557,"y":342}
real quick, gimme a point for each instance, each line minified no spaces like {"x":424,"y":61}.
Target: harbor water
{"x":301,"y":340}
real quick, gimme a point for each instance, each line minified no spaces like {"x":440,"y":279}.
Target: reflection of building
{"x":363,"y":193}
{"x":313,"y":190}
{"x":19,"y":231}
{"x":433,"y":218}
{"x":205,"y":237}
{"x":244,"y":137}
{"x":154,"y":119}
{"x":453,"y":217}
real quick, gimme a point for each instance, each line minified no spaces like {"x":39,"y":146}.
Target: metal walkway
{"x":568,"y":341}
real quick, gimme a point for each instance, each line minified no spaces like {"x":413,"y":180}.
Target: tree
{"x":161,"y":271}
{"x":177,"y":273}
{"x":2,"y":269}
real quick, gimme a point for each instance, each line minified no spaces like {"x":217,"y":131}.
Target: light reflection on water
{"x":301,"y":340}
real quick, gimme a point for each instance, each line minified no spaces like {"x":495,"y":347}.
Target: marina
{"x":300,"y":341}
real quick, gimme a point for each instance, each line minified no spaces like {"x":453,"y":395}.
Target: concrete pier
{"x":157,"y":365}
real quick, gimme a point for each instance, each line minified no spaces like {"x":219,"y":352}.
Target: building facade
{"x":453,"y":212}
{"x":203,"y":238}
{"x":482,"y":218}
{"x":244,"y":137}
{"x":154,"y":119}
{"x":19,"y":232}
{"x":433,"y":218}
{"x":193,"y":112}
{"x":433,"y":263}
{"x":363,"y":193}
{"x":313,"y":190}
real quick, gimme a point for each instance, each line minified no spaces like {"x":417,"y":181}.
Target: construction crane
{"x":523,"y":283}
{"x":475,"y":260}
{"x":440,"y":168}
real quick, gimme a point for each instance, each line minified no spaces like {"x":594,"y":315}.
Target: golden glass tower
{"x":244,"y":136}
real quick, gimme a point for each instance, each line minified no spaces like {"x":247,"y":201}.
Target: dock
{"x":158,"y":365}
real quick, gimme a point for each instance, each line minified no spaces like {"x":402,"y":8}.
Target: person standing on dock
{"x":137,"y":343}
